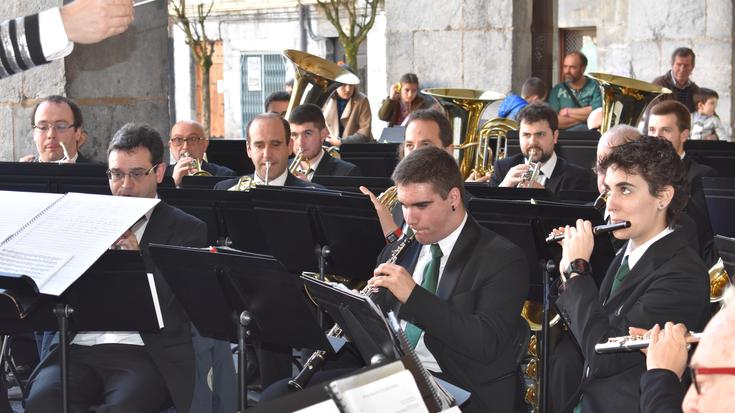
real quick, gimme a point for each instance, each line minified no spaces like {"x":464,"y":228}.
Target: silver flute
{"x":633,"y":343}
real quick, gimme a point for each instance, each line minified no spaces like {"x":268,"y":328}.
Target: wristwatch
{"x":579,"y":266}
{"x":393,"y":236}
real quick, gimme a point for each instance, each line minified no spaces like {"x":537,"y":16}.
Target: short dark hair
{"x":538,"y":111}
{"x":432,"y":165}
{"x":683,"y":52}
{"x":58,"y":99}
{"x":307,"y":113}
{"x":703,"y":95}
{"x":582,"y":57}
{"x":280,"y":96}
{"x":673,"y":107}
{"x":445,"y":129}
{"x":409,"y":78}
{"x":656,"y":161}
{"x":270,"y":115}
{"x":134,"y":135}
{"x":534,"y":86}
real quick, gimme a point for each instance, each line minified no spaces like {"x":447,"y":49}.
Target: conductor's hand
{"x":127,"y":241}
{"x":395,"y":278}
{"x":668,"y":348}
{"x":91,"y":21}
{"x":578,"y":243}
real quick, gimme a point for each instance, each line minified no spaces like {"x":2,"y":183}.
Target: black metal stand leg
{"x":242,"y":360}
{"x":322,"y":252}
{"x":62,"y":313}
{"x":549,"y":269}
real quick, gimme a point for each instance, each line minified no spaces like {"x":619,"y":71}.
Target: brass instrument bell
{"x":196,"y":164}
{"x":719,"y":280}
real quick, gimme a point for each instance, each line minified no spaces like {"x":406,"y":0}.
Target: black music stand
{"x":202,"y":182}
{"x":376,"y":184}
{"x":373,"y":159}
{"x":484,"y":190}
{"x":230,"y":153}
{"x":719,"y":194}
{"x":236,"y":296}
{"x":112,"y":295}
{"x":54,"y":178}
{"x":393,"y":134}
{"x":203,"y":204}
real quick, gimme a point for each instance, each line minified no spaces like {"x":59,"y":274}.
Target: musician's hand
{"x":301,"y":176}
{"x":668,"y":348}
{"x":514,"y":176}
{"x":334,"y":141}
{"x":395,"y":278}
{"x":183,"y":168}
{"x":27,"y":158}
{"x":90,"y":21}
{"x":578,"y":243}
{"x":475,"y":178}
{"x":531,"y":184}
{"x":394,"y":93}
{"x":387,"y":224}
{"x":127,"y":241}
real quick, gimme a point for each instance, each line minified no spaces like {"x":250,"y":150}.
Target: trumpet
{"x":531,"y":175}
{"x":632,"y":343}
{"x":397,"y":87}
{"x":295,"y":167}
{"x":600,"y":229}
{"x":197,"y":165}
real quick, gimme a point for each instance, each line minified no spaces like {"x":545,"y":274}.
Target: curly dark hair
{"x":656,"y":161}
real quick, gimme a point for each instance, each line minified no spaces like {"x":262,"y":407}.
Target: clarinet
{"x":317,"y":358}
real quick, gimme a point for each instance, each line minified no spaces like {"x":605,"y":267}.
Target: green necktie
{"x":620,"y":275}
{"x":409,"y":231}
{"x":431,"y":276}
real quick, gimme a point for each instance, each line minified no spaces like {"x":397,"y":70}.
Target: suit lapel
{"x":325,"y":165}
{"x":553,"y":181}
{"x":457,"y":259}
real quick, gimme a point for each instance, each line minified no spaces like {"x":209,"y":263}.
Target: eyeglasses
{"x":59,"y":126}
{"x":701,"y":371}
{"x":136,"y":174}
{"x":179,"y":141}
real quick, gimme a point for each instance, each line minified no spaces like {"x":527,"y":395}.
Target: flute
{"x":600,"y":229}
{"x":632,"y":343}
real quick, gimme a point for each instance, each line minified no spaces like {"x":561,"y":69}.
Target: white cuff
{"x":54,"y":41}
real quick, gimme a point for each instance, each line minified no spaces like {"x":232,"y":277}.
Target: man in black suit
{"x":308,"y":132}
{"x":269,"y":144}
{"x":462,"y":294}
{"x":188,"y":144}
{"x":655,"y":278}
{"x":671,"y":120}
{"x":129,"y":371}
{"x":539,"y":132}
{"x":57,"y":124}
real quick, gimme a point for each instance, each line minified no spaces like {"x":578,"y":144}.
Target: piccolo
{"x":600,"y":229}
{"x":632,"y":343}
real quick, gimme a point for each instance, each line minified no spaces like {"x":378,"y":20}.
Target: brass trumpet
{"x":196,"y":164}
{"x":389,"y":198}
{"x":719,"y":280}
{"x":531,"y":175}
{"x":295,"y":167}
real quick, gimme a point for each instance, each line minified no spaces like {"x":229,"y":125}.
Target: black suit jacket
{"x":669,"y":283}
{"x":661,"y":392}
{"x":212,"y":168}
{"x":472,"y":326}
{"x":696,"y":208}
{"x":565,"y":177}
{"x":331,"y":166}
{"x":290,"y":181}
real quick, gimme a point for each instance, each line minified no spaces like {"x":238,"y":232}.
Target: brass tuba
{"x":463,"y":108}
{"x":624,"y":99}
{"x":323,"y":76}
{"x":497,"y":128}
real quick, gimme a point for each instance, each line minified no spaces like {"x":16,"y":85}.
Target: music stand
{"x":393,"y":134}
{"x":484,"y":190}
{"x":719,"y":194}
{"x":203,"y":204}
{"x":230,"y":153}
{"x":373,"y":159}
{"x":376,"y":184}
{"x":112,"y":295}
{"x":54,"y":178}
{"x":239,"y":297}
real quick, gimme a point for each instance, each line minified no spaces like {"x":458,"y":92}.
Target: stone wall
{"x":119,"y":80}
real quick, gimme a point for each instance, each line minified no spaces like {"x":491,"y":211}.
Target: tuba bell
{"x":323,"y":76}
{"x":463,"y":108}
{"x":498,"y":129}
{"x":624,"y":99}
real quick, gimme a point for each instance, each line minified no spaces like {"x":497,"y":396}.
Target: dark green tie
{"x":431,"y":276}
{"x":620,"y":275}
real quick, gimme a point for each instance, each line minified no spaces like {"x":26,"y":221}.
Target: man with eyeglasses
{"x":712,"y":368}
{"x":131,"y":371}
{"x":188,"y":144}
{"x":56,"y":123}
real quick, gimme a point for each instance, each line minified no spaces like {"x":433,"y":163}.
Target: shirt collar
{"x":313,"y":164}
{"x":673,"y":81}
{"x":635,"y":254}
{"x":447,"y":244}
{"x":548,"y":167}
{"x":280,"y":181}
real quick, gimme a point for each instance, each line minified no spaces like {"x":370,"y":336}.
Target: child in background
{"x":706,"y":125}
{"x":533,"y":90}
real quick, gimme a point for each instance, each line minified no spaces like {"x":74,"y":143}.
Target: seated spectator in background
{"x":277,"y":102}
{"x":677,"y":79}
{"x":577,"y":96}
{"x":533,"y":90}
{"x":404,"y":98}
{"x":188,"y":143}
{"x":308,"y":132}
{"x":706,"y":125}
{"x":57,"y":125}
{"x":348,"y":116}
{"x":538,"y":130}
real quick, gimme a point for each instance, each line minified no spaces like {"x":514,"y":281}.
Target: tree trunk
{"x":351,"y":56}
{"x":206,"y":109}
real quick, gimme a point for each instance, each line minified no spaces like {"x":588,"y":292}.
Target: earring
{"x":453,"y":208}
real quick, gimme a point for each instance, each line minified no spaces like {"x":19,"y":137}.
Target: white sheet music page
{"x":78,"y":228}
{"x":396,"y":393}
{"x":17,"y":208}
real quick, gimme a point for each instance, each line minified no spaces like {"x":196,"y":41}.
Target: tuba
{"x":323,"y":76}
{"x":624,"y":99}
{"x":463,"y":108}
{"x":498,"y":129}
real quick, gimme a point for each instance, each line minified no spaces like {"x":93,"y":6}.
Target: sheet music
{"x":82,"y":226}
{"x":327,"y":406}
{"x":396,"y":393}
{"x":156,"y":303}
{"x":19,"y":208}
